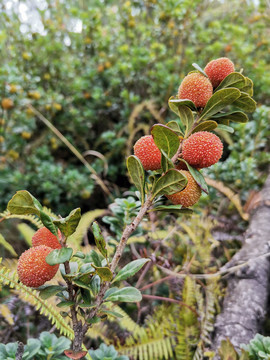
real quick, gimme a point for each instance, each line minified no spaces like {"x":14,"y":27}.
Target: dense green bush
{"x":85,"y":68}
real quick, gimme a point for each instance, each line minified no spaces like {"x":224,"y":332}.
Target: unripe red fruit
{"x":197,"y":88}
{"x":32,"y":268}
{"x":218,"y":69}
{"x":44,"y":237}
{"x":148,"y":153}
{"x":202,"y":149}
{"x":190,"y":195}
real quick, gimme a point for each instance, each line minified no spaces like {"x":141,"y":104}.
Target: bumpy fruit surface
{"x":44,"y":237}
{"x":202,"y":149}
{"x":7,"y":104}
{"x":190,"y":195}
{"x":197,"y":88}
{"x":218,"y":69}
{"x":148,"y":153}
{"x":32,"y":268}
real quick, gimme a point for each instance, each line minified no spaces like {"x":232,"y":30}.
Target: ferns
{"x":152,"y":342}
{"x":32,"y":218}
{"x":10,"y":278}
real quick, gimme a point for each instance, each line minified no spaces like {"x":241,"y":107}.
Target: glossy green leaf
{"x":112,"y":313}
{"x":65,"y":303}
{"x":198,"y":177}
{"x":236,"y":116}
{"x":86,"y":296}
{"x":175,"y":127}
{"x":79,"y":254}
{"x":104,"y":272}
{"x":59,"y":256}
{"x":229,"y":129}
{"x":99,"y":239}
{"x":50,"y":290}
{"x":165,"y":139}
{"x":126,"y":294}
{"x":166,"y":162}
{"x":47,"y":222}
{"x":245,"y":102}
{"x":137,"y":174}
{"x":68,"y":225}
{"x":218,"y":101}
{"x":174,"y":103}
{"x":93,"y":320}
{"x":170,"y":183}
{"x":197,"y":67}
{"x":172,"y":209}
{"x":208,"y":125}
{"x":23,"y":203}
{"x":186,"y":117}
{"x":130,"y":269}
{"x":81,"y":284}
{"x":235,"y":80}
{"x":95,"y":284}
{"x":95,"y":258}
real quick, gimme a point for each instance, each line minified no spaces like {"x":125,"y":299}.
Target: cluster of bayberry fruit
{"x":33,"y":269}
{"x":201,"y":149}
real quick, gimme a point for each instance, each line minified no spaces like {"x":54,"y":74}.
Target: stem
{"x":20,"y":351}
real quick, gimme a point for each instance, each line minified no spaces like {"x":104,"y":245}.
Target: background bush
{"x":86,"y":66}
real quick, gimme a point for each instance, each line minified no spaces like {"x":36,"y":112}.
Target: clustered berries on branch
{"x":198,"y":149}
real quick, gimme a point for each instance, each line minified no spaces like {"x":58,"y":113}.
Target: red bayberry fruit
{"x":148,"y":153}
{"x":190,"y":195}
{"x":202,"y":149}
{"x":44,"y":237}
{"x":197,"y":88}
{"x":32,"y":268}
{"x":218,"y":69}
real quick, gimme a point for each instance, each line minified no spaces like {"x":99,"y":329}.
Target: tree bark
{"x":245,"y":303}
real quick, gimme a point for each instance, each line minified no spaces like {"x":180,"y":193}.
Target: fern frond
{"x":11,"y":279}
{"x":27,"y":232}
{"x":154,"y":341}
{"x":32,"y":218}
{"x":98,"y":330}
{"x":126,"y":323}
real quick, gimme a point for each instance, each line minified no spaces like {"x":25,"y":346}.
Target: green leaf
{"x":235,"y":80}
{"x":137,"y":174}
{"x":130,"y":269}
{"x":186,"y":117}
{"x":205,"y":126}
{"x":93,"y":320}
{"x":175,"y":127}
{"x":197,"y":67}
{"x":112,"y":313}
{"x":236,"y":116}
{"x":99,"y":239}
{"x":126,"y":294}
{"x":248,"y":88}
{"x":47,"y":222}
{"x":65,"y":303}
{"x":81,"y":284}
{"x":95,"y":258}
{"x":59,"y":256}
{"x":172,"y":209}
{"x":104,"y":272}
{"x":198,"y":177}
{"x":86,"y":296}
{"x":227,"y":351}
{"x":225,"y":128}
{"x":245,"y":102}
{"x":166,"y":162}
{"x":218,"y":101}
{"x":79,"y":254}
{"x":95,"y":285}
{"x":175,"y":103}
{"x":68,"y":225}
{"x":50,"y":290}
{"x":23,"y":203}
{"x":165,"y":139}
{"x":170,"y":183}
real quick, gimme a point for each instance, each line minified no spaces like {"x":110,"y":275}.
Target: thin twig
{"x":155,"y":297}
{"x":20,"y":351}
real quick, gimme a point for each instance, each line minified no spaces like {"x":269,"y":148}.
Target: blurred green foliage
{"x":86,"y":65}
